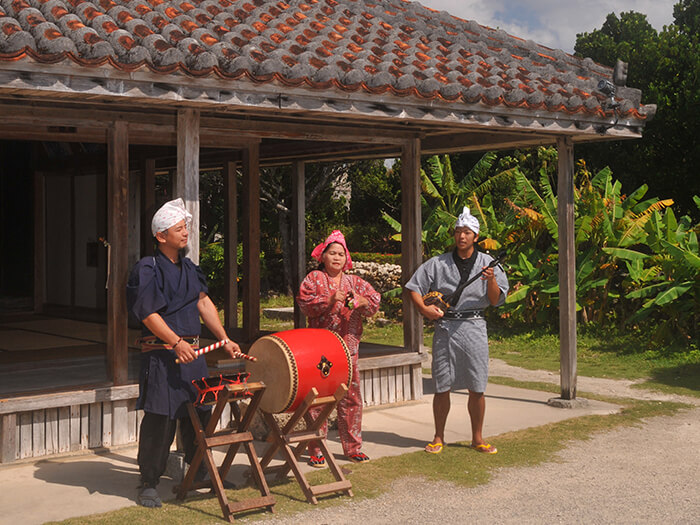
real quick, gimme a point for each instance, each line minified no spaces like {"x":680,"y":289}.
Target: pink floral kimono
{"x":314,"y":293}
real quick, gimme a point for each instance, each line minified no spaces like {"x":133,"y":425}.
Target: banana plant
{"x":443,"y":196}
{"x":670,"y":288}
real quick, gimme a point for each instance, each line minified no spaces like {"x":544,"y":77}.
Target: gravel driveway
{"x":645,"y":474}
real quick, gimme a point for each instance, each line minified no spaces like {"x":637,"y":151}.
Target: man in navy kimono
{"x":168,"y":294}
{"x":460,"y":343}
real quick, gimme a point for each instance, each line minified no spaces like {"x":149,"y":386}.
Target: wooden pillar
{"x":117,"y":235}
{"x":8,"y":438}
{"x":72,"y":174}
{"x":298,"y":236}
{"x":187,"y":177}
{"x":230,"y":247}
{"x":251,"y":242}
{"x":39,"y":243}
{"x":135,"y":230}
{"x":148,"y":205}
{"x":411,"y":247}
{"x":567,"y":267}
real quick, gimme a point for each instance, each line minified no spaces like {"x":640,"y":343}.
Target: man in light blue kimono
{"x":460,"y":343}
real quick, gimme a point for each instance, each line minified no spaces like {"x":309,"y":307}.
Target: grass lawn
{"x":522,"y":448}
{"x":604,"y":353}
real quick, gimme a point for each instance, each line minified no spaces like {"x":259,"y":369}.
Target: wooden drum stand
{"x":233,"y":437}
{"x":283,"y":438}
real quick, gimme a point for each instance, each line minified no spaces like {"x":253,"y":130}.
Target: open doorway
{"x":53,"y":267}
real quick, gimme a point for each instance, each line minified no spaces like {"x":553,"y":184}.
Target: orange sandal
{"x":434,"y":448}
{"x":484,"y":448}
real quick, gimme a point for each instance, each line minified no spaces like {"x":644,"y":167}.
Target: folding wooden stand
{"x":283,"y":439}
{"x":234,"y":437}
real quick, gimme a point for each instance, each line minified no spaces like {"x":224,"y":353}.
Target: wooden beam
{"x":89,"y":124}
{"x":100,"y":394}
{"x":281,"y":128}
{"x":298,"y":236}
{"x":15,"y":131}
{"x":411,"y":247}
{"x":117,"y":234}
{"x":187,"y":178}
{"x":290,"y":151}
{"x":456,"y":142}
{"x":230,"y":247}
{"x":251,"y":243}
{"x":567,"y":267}
{"x":148,"y":205}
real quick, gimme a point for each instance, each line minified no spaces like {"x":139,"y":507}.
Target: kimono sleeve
{"x":502,"y":281}
{"x":313,"y":295}
{"x":144,"y":296}
{"x":373,"y":297}
{"x":422,"y":280}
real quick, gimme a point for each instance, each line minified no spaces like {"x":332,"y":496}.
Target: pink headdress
{"x":335,"y":236}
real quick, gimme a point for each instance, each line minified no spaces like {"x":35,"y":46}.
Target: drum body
{"x":292,"y":362}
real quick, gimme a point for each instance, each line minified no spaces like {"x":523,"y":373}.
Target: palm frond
{"x":487,"y":185}
{"x":435,"y":170}
{"x":428,"y":187}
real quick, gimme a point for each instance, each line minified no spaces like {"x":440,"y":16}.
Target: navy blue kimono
{"x":157,"y":285}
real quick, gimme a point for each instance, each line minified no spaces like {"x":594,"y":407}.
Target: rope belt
{"x":464,"y":315}
{"x":151,"y":342}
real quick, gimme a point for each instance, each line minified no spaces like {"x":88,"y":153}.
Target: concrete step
{"x":283,"y":313}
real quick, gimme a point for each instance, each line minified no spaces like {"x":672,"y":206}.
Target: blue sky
{"x":553,"y":23}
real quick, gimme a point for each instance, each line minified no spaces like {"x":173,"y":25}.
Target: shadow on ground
{"x":103,"y":477}
{"x":683,"y":376}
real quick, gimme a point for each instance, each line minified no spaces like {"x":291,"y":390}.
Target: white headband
{"x":467,"y":220}
{"x":169,"y":215}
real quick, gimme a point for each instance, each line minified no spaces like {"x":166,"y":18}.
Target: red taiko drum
{"x":292,"y":362}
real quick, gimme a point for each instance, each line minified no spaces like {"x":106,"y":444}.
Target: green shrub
{"x":381,"y":258}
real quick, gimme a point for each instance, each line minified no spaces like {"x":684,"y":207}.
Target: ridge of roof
{"x":378,"y":47}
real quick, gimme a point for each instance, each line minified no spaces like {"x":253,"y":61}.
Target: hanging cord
{"x":107,"y":245}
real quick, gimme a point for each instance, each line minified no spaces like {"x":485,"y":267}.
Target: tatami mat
{"x":21,"y":340}
{"x":94,"y":332}
{"x":75,"y":330}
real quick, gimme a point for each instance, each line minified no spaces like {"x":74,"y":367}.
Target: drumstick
{"x":219,"y":344}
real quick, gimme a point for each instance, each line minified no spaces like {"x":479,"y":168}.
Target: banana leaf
{"x":672,"y":293}
{"x":626,"y":254}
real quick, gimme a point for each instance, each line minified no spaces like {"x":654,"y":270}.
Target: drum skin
{"x":292,"y":362}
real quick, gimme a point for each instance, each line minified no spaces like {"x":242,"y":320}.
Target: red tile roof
{"x":377,"y":46}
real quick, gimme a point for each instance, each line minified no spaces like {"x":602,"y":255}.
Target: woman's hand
{"x":360,"y":301}
{"x":338,"y":295}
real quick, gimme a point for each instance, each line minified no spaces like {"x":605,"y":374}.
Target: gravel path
{"x":645,"y":474}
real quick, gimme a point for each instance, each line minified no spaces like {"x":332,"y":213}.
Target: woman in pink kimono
{"x":336,"y":301}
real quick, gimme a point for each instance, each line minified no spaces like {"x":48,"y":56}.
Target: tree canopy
{"x":666,"y":67}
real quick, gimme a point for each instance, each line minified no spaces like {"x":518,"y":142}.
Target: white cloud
{"x":553,"y":23}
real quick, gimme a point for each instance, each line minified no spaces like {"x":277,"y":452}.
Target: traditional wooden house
{"x":98,"y":97}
